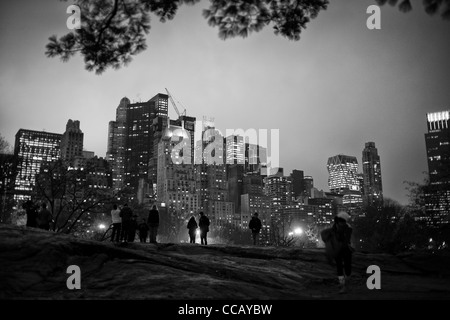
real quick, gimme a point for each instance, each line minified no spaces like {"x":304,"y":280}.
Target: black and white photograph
{"x":215,"y":158}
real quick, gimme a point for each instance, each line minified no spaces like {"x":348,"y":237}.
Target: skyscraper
{"x":437,"y":193}
{"x":176,"y":181}
{"x":373,"y":189}
{"x":279,"y":190}
{"x":31,"y":150}
{"x":298,"y":183}
{"x":309,"y":184}
{"x":115,"y":153}
{"x":437,"y":142}
{"x":133,"y":141}
{"x":72,"y":142}
{"x":343,"y":172}
{"x":343,"y":179}
{"x":235,"y":150}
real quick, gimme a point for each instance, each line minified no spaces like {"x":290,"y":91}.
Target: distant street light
{"x":290,"y":233}
{"x":298,"y":231}
{"x":101,"y":226}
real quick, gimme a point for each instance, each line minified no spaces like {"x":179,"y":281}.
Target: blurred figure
{"x":192,"y":226}
{"x":255,"y":225}
{"x":44,"y":218}
{"x":153,"y":223}
{"x":343,"y":232}
{"x":203,"y":223}
{"x":32,"y":213}
{"x":116,"y":223}
{"x":127,"y":216}
{"x":133,"y":228}
{"x":143,"y":231}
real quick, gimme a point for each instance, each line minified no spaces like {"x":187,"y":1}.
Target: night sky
{"x":338,"y":87}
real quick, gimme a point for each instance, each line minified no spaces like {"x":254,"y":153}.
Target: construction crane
{"x":175,"y":106}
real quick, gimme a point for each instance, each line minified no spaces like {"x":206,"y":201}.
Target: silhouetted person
{"x":116,"y":223}
{"x":203,"y":223}
{"x":192,"y":226}
{"x":153,"y":223}
{"x":126,"y":214}
{"x":133,"y":228}
{"x":32,"y":213}
{"x":44,"y":218}
{"x":343,"y":257}
{"x":255,"y":225}
{"x":143,"y":231}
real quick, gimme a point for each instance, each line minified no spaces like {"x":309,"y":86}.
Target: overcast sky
{"x":338,"y":87}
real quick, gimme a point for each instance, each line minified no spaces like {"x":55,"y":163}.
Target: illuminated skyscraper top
{"x":343,"y":173}
{"x":437,"y":142}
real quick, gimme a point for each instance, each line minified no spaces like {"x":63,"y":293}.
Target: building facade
{"x":31,"y":150}
{"x":437,"y":192}
{"x":72,"y":142}
{"x":372,"y":183}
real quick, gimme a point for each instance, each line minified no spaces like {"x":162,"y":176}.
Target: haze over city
{"x":339,"y":87}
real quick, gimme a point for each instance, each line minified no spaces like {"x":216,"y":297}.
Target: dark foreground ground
{"x":33,"y":265}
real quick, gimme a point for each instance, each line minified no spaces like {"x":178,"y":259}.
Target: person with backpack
{"x":338,"y":247}
{"x":192,"y":226}
{"x":153,"y":223}
{"x":203,"y":223}
{"x":127,"y":216}
{"x":255,"y":225}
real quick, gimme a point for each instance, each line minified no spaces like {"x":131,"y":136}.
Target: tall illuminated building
{"x":115,"y":153}
{"x":373,"y":189}
{"x":343,"y":179}
{"x":31,"y":150}
{"x":343,"y":173}
{"x":176,"y":180}
{"x":235,"y":150}
{"x":133,"y":141}
{"x":437,"y":193}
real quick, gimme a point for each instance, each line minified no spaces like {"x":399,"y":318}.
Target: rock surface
{"x":33,"y":265}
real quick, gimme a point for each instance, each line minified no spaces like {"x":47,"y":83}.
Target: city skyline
{"x":336,"y":89}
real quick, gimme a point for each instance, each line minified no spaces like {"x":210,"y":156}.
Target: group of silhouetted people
{"x":37,"y":218}
{"x":203,"y":224}
{"x":125,"y":225}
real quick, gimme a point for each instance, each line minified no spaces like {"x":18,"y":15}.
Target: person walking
{"x":32,"y":213}
{"x":116,"y":224}
{"x":153,"y":223}
{"x":255,"y":225}
{"x":203,"y":223}
{"x":126,"y":214}
{"x":192,"y":226}
{"x":44,"y":218}
{"x":143,"y":231}
{"x":339,"y":240}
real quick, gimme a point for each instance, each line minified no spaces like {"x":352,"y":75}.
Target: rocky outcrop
{"x":33,"y":265}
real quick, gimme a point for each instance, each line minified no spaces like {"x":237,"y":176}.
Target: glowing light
{"x":431,"y":239}
{"x":101,"y":226}
{"x":298,"y":231}
{"x":197,"y":232}
{"x":290,"y":233}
